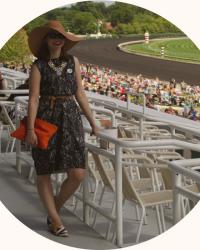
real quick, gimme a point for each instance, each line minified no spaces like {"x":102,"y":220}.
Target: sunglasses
{"x":54,"y":35}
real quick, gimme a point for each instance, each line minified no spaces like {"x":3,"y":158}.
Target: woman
{"x":55,"y":77}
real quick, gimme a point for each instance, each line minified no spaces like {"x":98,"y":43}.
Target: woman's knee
{"x":76,"y":175}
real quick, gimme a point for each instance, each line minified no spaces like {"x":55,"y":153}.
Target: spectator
{"x":108,"y":82}
{"x":192,"y":115}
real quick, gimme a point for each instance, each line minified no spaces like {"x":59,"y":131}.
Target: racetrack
{"x":104,"y":52}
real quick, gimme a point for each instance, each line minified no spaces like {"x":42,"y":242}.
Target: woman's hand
{"x":31,"y":138}
{"x":95,"y":130}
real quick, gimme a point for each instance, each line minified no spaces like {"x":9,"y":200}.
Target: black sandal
{"x":60,"y":231}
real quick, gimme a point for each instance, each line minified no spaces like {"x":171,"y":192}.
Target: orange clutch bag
{"x":43,"y":129}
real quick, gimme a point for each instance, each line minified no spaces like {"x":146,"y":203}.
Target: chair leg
{"x":75,"y":200}
{"x":94,"y":195}
{"x":57,"y":184}
{"x":31,"y":172}
{"x":140,"y":225}
{"x":137,"y":212}
{"x":75,"y":206}
{"x":13,"y":144}
{"x":90,"y":187}
{"x":110,"y":222}
{"x":186,"y":208}
{"x":158,"y":219}
{"x":8,"y":145}
{"x":145,"y":219}
{"x":162,"y":218}
{"x":9,"y":140}
{"x":100,"y":201}
{"x":95,"y":190}
{"x":183,"y":206}
{"x":1,"y":129}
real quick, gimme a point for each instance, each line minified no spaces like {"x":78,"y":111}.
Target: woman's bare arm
{"x":80,"y":95}
{"x":34,"y":91}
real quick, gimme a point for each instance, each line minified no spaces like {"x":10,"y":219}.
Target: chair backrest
{"x":92,"y":171}
{"x":132,"y":134}
{"x":144,"y":173}
{"x":121,"y":132}
{"x":139,"y":160}
{"x":10,"y":82}
{"x":198,"y":186}
{"x":167,"y":178}
{"x":4,"y":113}
{"x":194,"y":187}
{"x":98,"y":159}
{"x":129,"y":190}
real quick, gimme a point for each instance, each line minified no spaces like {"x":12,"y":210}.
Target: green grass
{"x":179,"y":49}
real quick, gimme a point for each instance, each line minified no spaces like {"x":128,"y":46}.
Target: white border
{"x":15,"y":14}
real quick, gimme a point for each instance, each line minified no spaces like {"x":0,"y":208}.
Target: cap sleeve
{"x":38,"y":63}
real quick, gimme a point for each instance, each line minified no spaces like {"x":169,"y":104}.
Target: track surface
{"x":105,"y":53}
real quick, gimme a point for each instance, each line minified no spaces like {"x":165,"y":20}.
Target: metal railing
{"x":116,"y":157}
{"x":189,"y":128}
{"x":183,"y":168}
{"x":185,"y":126}
{"x":14,"y":91}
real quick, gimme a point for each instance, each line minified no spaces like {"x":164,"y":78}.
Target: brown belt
{"x":53,"y":99}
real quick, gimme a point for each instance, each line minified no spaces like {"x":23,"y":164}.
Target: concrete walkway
{"x":21,"y":199}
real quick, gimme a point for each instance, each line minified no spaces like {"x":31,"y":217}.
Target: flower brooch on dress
{"x":69,"y":71}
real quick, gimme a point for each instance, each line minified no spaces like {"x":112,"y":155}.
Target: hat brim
{"x":37,"y":35}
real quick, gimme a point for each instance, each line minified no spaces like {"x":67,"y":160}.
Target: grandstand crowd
{"x":171,"y":97}
{"x":177,"y":98}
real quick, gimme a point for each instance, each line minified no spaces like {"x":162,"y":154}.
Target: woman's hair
{"x":44,"y":51}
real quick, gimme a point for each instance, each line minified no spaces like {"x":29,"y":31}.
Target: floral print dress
{"x":66,"y":147}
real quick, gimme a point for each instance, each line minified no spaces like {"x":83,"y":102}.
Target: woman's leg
{"x":45,"y":191}
{"x":69,"y":186}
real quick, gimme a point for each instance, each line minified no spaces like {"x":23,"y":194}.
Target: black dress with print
{"x":66,"y":147}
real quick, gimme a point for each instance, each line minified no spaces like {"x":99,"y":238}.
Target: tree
{"x":16,"y":49}
{"x":88,"y":7}
{"x":41,"y":20}
{"x":123,"y":15}
{"x":84,"y":22}
{"x":53,"y":14}
{"x":81,"y":18}
{"x":125,"y":28}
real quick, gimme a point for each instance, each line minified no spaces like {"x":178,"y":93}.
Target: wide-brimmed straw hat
{"x":38,"y":34}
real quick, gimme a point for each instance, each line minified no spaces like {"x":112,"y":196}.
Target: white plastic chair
{"x":144,"y":200}
{"x":7,"y":124}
